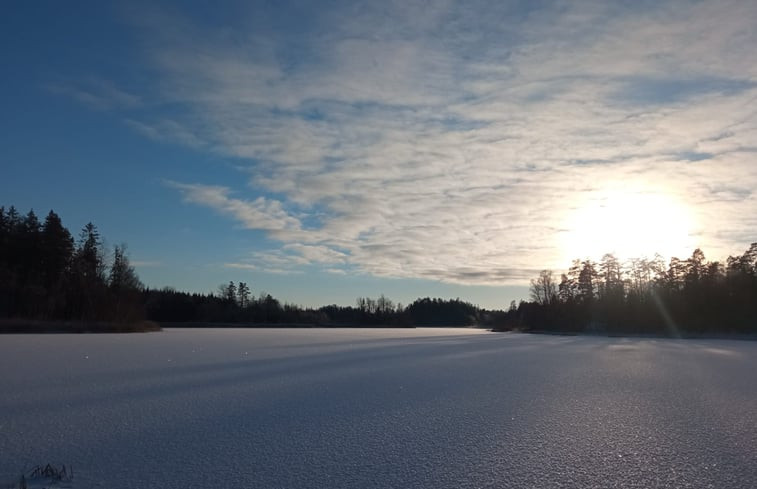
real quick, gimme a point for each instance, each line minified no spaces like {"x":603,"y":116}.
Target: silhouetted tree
{"x":587,"y":279}
{"x":543,"y":289}
{"x":228,"y":292}
{"x":57,"y":251}
{"x":89,"y":261}
{"x":124,"y":287}
{"x":122,"y":276}
{"x":243,"y":295}
{"x":87,"y":281}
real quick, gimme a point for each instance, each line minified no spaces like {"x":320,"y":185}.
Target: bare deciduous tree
{"x":543,"y":289}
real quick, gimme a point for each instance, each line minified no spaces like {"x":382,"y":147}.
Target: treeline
{"x":234,"y":303}
{"x":47,"y":275}
{"x":645,"y":296}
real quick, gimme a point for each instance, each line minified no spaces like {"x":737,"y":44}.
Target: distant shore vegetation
{"x":51,"y":281}
{"x":683,"y":297}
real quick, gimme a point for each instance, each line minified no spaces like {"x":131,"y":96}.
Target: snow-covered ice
{"x":432,"y":408}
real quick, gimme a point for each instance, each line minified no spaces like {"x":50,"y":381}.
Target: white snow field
{"x":354,"y":408}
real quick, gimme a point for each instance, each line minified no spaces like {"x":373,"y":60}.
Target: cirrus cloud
{"x":453,"y":140}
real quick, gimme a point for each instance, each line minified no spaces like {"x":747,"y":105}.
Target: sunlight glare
{"x":629,"y":224}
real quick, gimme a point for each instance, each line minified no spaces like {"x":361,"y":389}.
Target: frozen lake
{"x":431,"y":408}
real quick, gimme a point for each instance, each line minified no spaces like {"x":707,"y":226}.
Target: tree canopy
{"x":683,"y":296}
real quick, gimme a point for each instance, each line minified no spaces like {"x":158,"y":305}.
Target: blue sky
{"x":322,"y":151}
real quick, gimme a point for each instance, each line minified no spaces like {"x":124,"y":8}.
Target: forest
{"x":683,"y":297}
{"x":48,"y":275}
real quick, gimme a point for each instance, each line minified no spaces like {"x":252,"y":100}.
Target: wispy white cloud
{"x":260,"y":213}
{"x":242,"y":266}
{"x":454,"y":141}
{"x":270,"y":262}
{"x":97,"y":93}
{"x":167,"y":130}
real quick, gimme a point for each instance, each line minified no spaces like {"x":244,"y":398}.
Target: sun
{"x":629,"y":223}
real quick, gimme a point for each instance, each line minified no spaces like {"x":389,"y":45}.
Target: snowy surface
{"x":432,"y":408}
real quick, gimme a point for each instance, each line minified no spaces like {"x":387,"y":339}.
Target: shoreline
{"x":684,"y":336}
{"x":34,"y":326}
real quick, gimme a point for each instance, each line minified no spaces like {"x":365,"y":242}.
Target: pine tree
{"x":243,"y":295}
{"x":89,"y":254}
{"x":231,"y":293}
{"x":122,"y":276}
{"x":87,"y":292}
{"x":124,"y":288}
{"x":57,"y":250}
